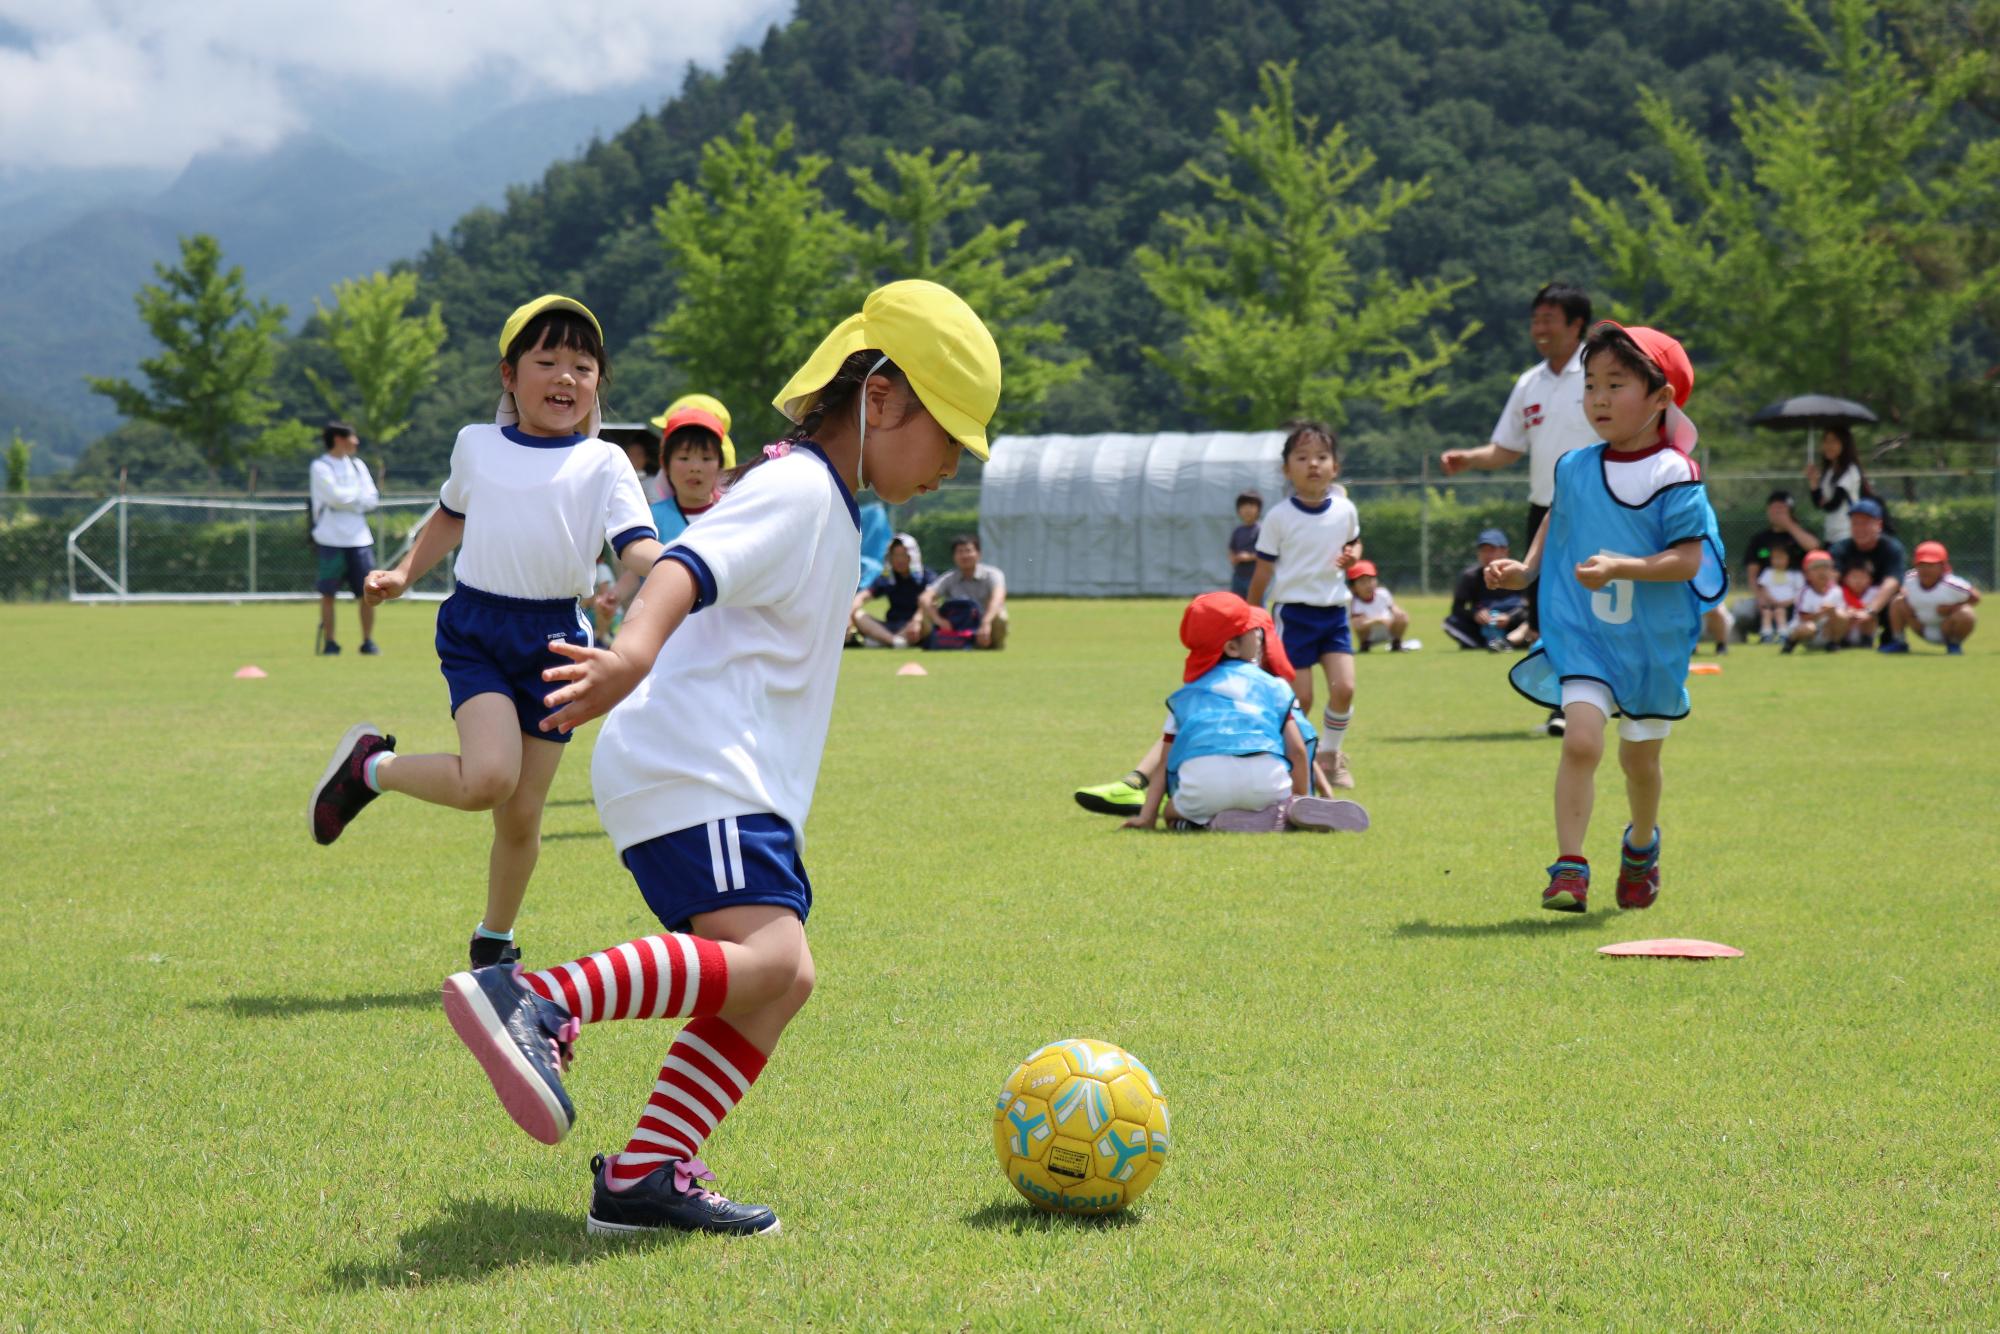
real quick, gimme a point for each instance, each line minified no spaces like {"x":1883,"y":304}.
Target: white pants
{"x":1597,"y":697}
{"x":1212,"y":784}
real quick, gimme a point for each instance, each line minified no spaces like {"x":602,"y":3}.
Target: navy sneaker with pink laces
{"x":522,"y":1041}
{"x":676,"y":1196}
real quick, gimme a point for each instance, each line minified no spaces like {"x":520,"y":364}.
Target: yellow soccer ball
{"x":1081,"y":1127}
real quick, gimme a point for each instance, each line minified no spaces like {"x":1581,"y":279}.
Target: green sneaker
{"x":1117,"y":798}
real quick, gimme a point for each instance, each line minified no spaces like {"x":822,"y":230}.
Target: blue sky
{"x":93,"y":85}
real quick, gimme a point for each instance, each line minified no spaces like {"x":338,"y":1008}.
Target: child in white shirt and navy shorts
{"x":1304,"y":548}
{"x":530,"y":501}
{"x":722,"y":677}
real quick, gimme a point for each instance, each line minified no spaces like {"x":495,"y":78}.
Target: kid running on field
{"x":530,"y":501}
{"x":1304,"y":548}
{"x":726,"y":666}
{"x":1630,"y":561}
{"x":1238,"y":759}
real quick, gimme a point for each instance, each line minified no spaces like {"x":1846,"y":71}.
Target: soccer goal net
{"x":174,"y":549}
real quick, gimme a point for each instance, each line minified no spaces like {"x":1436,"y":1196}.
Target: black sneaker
{"x":486,"y":952}
{"x":672,"y":1196}
{"x":522,"y":1042}
{"x":329,"y":649}
{"x":368,"y":648}
{"x":341,"y":791}
{"x":1557,"y":724}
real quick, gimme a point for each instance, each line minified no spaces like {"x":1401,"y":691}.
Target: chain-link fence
{"x":1418,"y":531}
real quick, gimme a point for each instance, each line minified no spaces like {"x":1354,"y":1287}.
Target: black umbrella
{"x":1813,"y":412}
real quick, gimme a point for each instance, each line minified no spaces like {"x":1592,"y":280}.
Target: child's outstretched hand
{"x":384,"y":585}
{"x":1136,"y":822}
{"x":1596,"y":572}
{"x":1504,"y":573}
{"x":598,"y":678}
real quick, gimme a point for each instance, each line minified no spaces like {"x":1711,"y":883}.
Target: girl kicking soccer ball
{"x":1630,"y":561}
{"x":530,"y":501}
{"x":726,"y":666}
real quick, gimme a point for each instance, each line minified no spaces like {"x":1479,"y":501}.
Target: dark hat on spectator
{"x":1866,"y":505}
{"x":1492,"y":537}
{"x":1780,"y":497}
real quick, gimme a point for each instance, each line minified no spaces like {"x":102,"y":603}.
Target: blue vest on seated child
{"x":1234,"y":708}
{"x":1635,"y":637}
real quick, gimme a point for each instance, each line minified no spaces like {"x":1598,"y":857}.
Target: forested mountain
{"x":1084,"y":114}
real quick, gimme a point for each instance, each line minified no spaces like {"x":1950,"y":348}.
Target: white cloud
{"x":102,"y":83}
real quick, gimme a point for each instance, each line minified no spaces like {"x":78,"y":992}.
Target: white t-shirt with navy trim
{"x":1303,"y":542}
{"x":538,"y":510}
{"x":1931,"y":604}
{"x":732,"y":719}
{"x":1782,"y":586}
{"x":1544,"y":419}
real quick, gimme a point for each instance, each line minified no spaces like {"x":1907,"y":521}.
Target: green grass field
{"x":1403,"y":1095}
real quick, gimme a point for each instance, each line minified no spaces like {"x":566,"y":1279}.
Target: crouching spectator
{"x":1933,"y":602}
{"x":1778,"y":589}
{"x":1881,"y":556}
{"x":968,"y":604}
{"x":903,"y":583}
{"x":1236,"y":758}
{"x":1482,"y":617}
{"x":1782,"y":529}
{"x":1820,"y":615}
{"x":1865,"y":606}
{"x":1373,"y":615}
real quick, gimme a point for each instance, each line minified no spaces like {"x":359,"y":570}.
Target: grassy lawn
{"x":1402,"y":1094}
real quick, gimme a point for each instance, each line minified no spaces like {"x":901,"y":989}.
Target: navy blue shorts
{"x":344,"y":565}
{"x":1309,"y":632}
{"x":489,"y":644}
{"x":721,"y":864}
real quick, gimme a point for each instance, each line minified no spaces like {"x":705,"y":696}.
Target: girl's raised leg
{"x":480,"y":777}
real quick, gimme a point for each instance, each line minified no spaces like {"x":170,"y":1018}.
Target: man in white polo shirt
{"x":1544,"y":417}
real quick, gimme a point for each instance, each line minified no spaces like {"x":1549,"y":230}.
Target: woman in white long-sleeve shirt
{"x":343,"y":492}
{"x":1837,"y":481}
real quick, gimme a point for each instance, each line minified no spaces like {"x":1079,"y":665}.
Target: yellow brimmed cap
{"x":934,"y":338}
{"x":519,"y":319}
{"x":690,"y":409}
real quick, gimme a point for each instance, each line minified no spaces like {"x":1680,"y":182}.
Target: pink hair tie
{"x":778,"y":450}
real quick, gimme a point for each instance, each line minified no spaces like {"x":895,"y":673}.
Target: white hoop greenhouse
{"x":1120,"y":515}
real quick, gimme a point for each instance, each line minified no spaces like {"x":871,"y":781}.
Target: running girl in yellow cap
{"x":530,"y":501}
{"x":704,"y":773}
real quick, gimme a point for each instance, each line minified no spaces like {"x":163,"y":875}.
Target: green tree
{"x":19,"y":452}
{"x":1842,"y":260}
{"x":210,"y":382}
{"x":389,"y":354}
{"x":1279,"y":319}
{"x":915,"y":241}
{"x":763,"y":264}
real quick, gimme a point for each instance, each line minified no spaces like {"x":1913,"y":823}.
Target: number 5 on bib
{"x":1612,"y":603}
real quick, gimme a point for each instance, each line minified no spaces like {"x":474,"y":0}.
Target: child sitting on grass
{"x":1373,"y":616}
{"x":1934,"y":602}
{"x":1778,"y":589}
{"x":1236,"y":759}
{"x":1821,"y":618}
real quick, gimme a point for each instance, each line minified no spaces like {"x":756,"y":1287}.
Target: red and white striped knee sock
{"x":708,"y":1070}
{"x":664,"y":976}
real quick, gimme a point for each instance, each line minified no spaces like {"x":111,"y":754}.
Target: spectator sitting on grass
{"x":1781,"y":529}
{"x":970,"y":599}
{"x":1859,"y":593}
{"x":1373,"y":615}
{"x":1934,"y":602}
{"x":1778,"y":589}
{"x":1881,"y":555}
{"x":1237,"y":759}
{"x":903,"y":583}
{"x":1821,"y":615}
{"x":1482,"y":617}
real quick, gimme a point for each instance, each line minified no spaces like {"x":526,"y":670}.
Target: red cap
{"x":1817,"y":558}
{"x":1213,"y":619}
{"x":1361,"y":569}
{"x":1932,"y":553}
{"x":708,"y":421}
{"x":1666,"y":352}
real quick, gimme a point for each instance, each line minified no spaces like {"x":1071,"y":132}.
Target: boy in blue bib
{"x":1630,"y":560}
